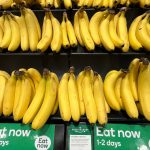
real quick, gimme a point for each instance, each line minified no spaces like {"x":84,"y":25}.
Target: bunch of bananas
{"x":28,"y":96}
{"x":129,"y":90}
{"x":104,"y":29}
{"x":81,"y":96}
{"x":139,"y":32}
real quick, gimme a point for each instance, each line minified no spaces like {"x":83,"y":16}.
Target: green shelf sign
{"x":22,"y":137}
{"x":122,"y":137}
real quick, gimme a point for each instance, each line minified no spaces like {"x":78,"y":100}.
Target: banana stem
{"x":72,"y":70}
{"x":46,"y":73}
{"x":87,"y":68}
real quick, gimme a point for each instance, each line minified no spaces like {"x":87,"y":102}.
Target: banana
{"x":70,"y":32}
{"x":100,"y":99}
{"x":133,"y":77}
{"x":90,"y":105}
{"x":57,"y":3}
{"x":4,"y":74}
{"x":144,"y":88}
{"x":142,"y":34}
{"x":15,"y":35}
{"x":9,"y":95}
{"x":24,"y":100}
{"x":73,"y":96}
{"x":6,"y":3}
{"x":7,"y":33}
{"x":105,"y":3}
{"x":77,"y":28}
{"x":63,"y":98}
{"x":88,"y":3}
{"x":36,"y":102}
{"x":68,"y":4}
{"x":42,"y":3}
{"x":47,"y":105}
{"x":35,"y":74}
{"x":112,"y":3}
{"x":49,"y":3}
{"x":94,"y":26}
{"x":85,"y":33}
{"x":57,"y":36}
{"x":32,"y":30}
{"x":2,"y":22}
{"x":134,"y":43}
{"x":107,"y":107}
{"x":148,"y":27}
{"x":142,"y":3}
{"x":97,"y":3}
{"x":65,"y":40}
{"x":127,"y":98}
{"x":105,"y":35}
{"x":24,"y":35}
{"x":123,"y":2}
{"x":117,"y":91}
{"x":80,"y":3}
{"x":79,"y":86}
{"x":47,"y":36}
{"x":113,"y":32}
{"x":1,"y":34}
{"x":55,"y":108}
{"x":123,"y":31}
{"x":3,"y":82}
{"x":109,"y":85}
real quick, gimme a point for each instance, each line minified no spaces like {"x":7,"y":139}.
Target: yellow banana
{"x":49,"y":3}
{"x":85,"y":33}
{"x":79,"y":86}
{"x":42,"y":3}
{"x":90,"y":105}
{"x":105,"y":35}
{"x":73,"y":96}
{"x":100,"y":100}
{"x":70,"y":32}
{"x":1,"y":34}
{"x":47,"y":105}
{"x":134,"y":43}
{"x":9,"y":95}
{"x":34,"y":74}
{"x":68,"y":4}
{"x":6,"y":3}
{"x":57,"y":3}
{"x":133,"y":77}
{"x":55,"y":108}
{"x":3,"y":82}
{"x":63,"y":98}
{"x":57,"y":36}
{"x":80,"y":3}
{"x":7,"y":33}
{"x":88,"y":3}
{"x":47,"y":36}
{"x":94,"y":26}
{"x":4,"y":74}
{"x":142,"y":34}
{"x":109,"y":85}
{"x":97,"y":3}
{"x":65,"y":40}
{"x":105,"y":3}
{"x":15,"y":35}
{"x":123,"y":31}
{"x":127,"y":98}
{"x":36,"y":102}
{"x":107,"y":107}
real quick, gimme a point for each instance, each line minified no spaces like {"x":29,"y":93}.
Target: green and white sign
{"x":80,"y":137}
{"x":22,"y":137}
{"x":122,"y":137}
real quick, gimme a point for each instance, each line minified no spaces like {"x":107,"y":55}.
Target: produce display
{"x":68,"y":4}
{"x":33,"y":98}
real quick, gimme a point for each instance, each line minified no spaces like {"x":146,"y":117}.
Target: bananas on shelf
{"x":139,"y":32}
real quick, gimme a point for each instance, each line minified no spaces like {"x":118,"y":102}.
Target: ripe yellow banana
{"x":85,"y":33}
{"x":73,"y":96}
{"x":3,"y":82}
{"x":36,"y":102}
{"x":9,"y":95}
{"x":127,"y":97}
{"x":4,"y":74}
{"x":42,"y":3}
{"x":94,"y":26}
{"x":57,"y":3}
{"x":134,"y":42}
{"x":57,"y":36}
{"x":133,"y":77}
{"x":65,"y":40}
{"x":100,"y":99}
{"x":142,"y":34}
{"x":88,"y":3}
{"x":47,"y":35}
{"x":68,"y":4}
{"x":97,"y":3}
{"x":49,"y":3}
{"x":15,"y":35}
{"x":107,"y":107}
{"x":90,"y":105}
{"x":77,"y":28}
{"x":6,"y":3}
{"x":47,"y":105}
{"x":24,"y":100}
{"x":105,"y":3}
{"x":123,"y":31}
{"x":105,"y":35}
{"x":55,"y":108}
{"x":70,"y":32}
{"x":112,"y":3}
{"x":148,"y":27}
{"x":34,"y":73}
{"x":144,"y":88}
{"x":79,"y":86}
{"x":109,"y":85}
{"x":80,"y":3}
{"x":7,"y":33}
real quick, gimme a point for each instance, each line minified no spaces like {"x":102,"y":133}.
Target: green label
{"x":22,"y":137}
{"x":80,"y":137}
{"x":122,"y":137}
